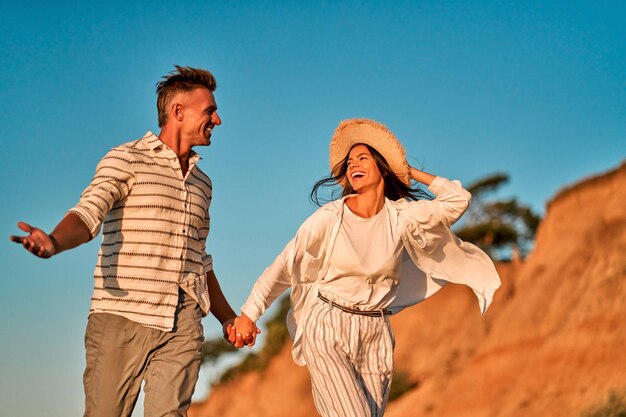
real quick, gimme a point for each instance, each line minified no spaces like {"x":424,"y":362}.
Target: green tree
{"x":495,"y":225}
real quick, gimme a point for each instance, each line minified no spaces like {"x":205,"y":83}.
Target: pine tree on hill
{"x":495,"y":225}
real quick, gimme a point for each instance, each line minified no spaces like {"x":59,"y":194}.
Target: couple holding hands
{"x":383,"y":246}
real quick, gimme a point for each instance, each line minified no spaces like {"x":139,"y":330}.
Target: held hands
{"x":241,"y":332}
{"x":37,"y":242}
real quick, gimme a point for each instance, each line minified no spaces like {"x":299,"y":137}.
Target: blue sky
{"x":534,"y":89}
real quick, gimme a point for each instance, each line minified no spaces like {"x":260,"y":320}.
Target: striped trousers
{"x":350,"y":359}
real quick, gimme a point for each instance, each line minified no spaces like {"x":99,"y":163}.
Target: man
{"x":153,"y":280}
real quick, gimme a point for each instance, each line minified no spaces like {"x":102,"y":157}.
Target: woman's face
{"x":363,"y":173}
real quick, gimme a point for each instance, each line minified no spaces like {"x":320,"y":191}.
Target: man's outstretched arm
{"x":69,"y":233}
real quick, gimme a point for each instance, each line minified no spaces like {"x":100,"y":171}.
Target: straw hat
{"x":353,"y":131}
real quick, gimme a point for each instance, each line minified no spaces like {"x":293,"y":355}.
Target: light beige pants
{"x":350,"y":359}
{"x":121,"y":354}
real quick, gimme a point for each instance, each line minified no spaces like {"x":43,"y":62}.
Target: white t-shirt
{"x":365,"y":262}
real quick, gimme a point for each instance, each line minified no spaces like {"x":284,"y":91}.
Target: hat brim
{"x":354,"y":131}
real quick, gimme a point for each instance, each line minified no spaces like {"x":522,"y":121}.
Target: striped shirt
{"x":155,"y":223}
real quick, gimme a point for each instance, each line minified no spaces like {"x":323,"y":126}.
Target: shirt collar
{"x":154,"y":142}
{"x":337,"y":205}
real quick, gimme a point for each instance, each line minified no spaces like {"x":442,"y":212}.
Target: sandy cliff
{"x":552,"y":344}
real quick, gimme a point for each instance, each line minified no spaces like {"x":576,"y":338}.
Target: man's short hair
{"x":182,"y":79}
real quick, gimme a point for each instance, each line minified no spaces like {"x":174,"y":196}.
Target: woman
{"x":359,"y":259}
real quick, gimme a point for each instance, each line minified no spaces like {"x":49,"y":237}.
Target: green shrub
{"x":213,"y":349}
{"x":400,"y":385}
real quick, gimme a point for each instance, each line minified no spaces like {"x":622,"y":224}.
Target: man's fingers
{"x":42,"y":252}
{"x":24,"y":227}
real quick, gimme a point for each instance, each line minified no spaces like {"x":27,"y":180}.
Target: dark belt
{"x":368,"y":313}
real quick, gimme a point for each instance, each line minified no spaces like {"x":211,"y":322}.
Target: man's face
{"x":199,"y":116}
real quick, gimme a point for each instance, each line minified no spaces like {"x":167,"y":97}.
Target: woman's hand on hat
{"x":421,"y":176}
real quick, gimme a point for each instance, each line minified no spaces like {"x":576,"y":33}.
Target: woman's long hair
{"x":394,"y":188}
